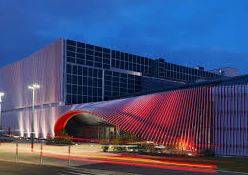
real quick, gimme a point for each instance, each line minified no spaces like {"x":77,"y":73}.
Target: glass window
{"x":98,"y":64}
{"x":74,"y":89}
{"x":74,"y":79}
{"x":68,"y":68}
{"x":90,"y":92}
{"x":89,"y":52}
{"x":82,"y":45}
{"x":114,"y":88}
{"x":99,"y":92}
{"x":70,"y":59}
{"x":88,"y":46}
{"x":116,"y":79}
{"x":99,"y":82}
{"x":97,"y":48}
{"x":70,"y":42}
{"x":74,"y":99}
{"x":80,"y":90}
{"x":85,"y":99}
{"x":98,"y":59}
{"x":82,"y":51}
{"x":117,"y":55}
{"x":99,"y":73}
{"x":94,"y":82}
{"x":107,"y":78}
{"x":116,"y":74}
{"x":80,"y":61}
{"x":113,"y":63}
{"x":107,"y":72}
{"x":68,"y":88}
{"x":106,"y":50}
{"x":113,"y":54}
{"x":107,"y":56}
{"x":98,"y":54}
{"x":84,"y":90}
{"x":89,"y":63}
{"x":108,"y":83}
{"x":79,"y":55}
{"x":122,"y":64}
{"x":70,"y":54}
{"x":126,"y":66}
{"x":68,"y":79}
{"x":94,"y":99}
{"x":68,"y":99}
{"x":115,"y":93}
{"x":85,"y":73}
{"x":107,"y":88}
{"x":80,"y":70}
{"x":106,"y":66}
{"x":117,"y":63}
{"x":107,"y":93}
{"x":71,"y":48}
{"x":85,"y":81}
{"x":106,"y":61}
{"x":94,"y":91}
{"x":80,"y":99}
{"x":116,"y":84}
{"x":88,"y":57}
{"x":89,"y":98}
{"x":89,"y":81}
{"x":90,"y":72}
{"x":94,"y":72}
{"x":80,"y":80}
{"x":74,"y":69}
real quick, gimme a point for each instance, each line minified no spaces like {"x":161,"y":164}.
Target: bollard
{"x":41,"y":153}
{"x":69,"y":155}
{"x":16,"y":157}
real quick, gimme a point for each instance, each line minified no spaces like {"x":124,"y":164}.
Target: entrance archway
{"x":80,"y":124}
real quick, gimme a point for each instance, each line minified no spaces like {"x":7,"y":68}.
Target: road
{"x":89,"y":159}
{"x":12,"y":168}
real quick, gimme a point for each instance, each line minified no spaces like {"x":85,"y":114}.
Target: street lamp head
{"x":34,"y":86}
{"x":30,"y":87}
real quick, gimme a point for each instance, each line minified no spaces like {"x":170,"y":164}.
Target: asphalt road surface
{"x":11,"y":168}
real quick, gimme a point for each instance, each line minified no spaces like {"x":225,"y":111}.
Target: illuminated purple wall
{"x":44,"y":67}
{"x":230,"y":125}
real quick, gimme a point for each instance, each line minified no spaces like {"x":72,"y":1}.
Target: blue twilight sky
{"x":211,"y":33}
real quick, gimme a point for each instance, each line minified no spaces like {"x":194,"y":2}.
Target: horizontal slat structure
{"x":180,"y":118}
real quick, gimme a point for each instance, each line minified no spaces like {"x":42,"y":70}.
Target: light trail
{"x":140,"y":162}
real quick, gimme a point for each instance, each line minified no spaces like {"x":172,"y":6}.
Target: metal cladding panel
{"x":44,"y":67}
{"x":181,"y":118}
{"x":231,"y":120}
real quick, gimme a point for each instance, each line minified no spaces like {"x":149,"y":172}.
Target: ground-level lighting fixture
{"x":33,"y":87}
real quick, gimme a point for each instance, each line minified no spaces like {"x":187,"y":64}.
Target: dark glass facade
{"x":94,"y":73}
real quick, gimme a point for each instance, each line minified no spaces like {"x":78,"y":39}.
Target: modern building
{"x":79,"y":82}
{"x":71,"y":72}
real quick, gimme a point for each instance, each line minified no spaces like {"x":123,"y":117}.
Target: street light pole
{"x":33,"y":87}
{"x":1,"y":100}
